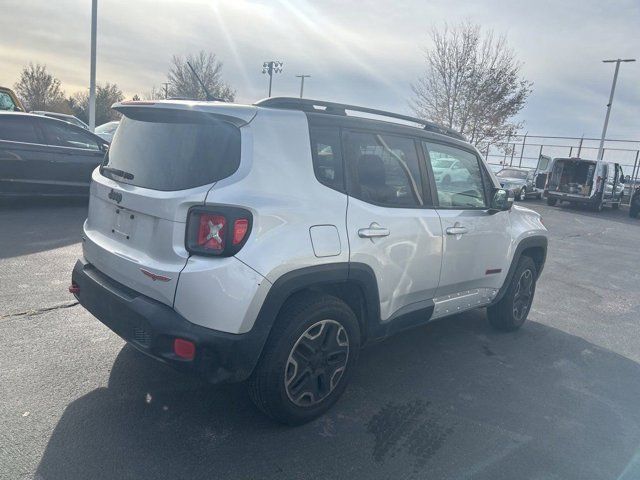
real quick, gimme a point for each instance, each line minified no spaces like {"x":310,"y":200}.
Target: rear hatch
{"x":164,"y":159}
{"x":573,"y":177}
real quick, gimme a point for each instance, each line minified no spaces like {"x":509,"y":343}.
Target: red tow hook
{"x":74,"y":288}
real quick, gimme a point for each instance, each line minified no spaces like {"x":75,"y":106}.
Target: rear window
{"x":172,"y":150}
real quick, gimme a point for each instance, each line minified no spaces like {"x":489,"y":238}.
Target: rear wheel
{"x":598,"y":206}
{"x":552,"y":201}
{"x":511,"y":311}
{"x":308,"y":359}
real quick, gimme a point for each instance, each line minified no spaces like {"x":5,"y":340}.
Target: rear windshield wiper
{"x":117,"y":172}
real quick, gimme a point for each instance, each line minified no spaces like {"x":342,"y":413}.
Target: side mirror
{"x":502,"y":200}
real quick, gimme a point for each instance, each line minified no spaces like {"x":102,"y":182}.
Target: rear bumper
{"x":572,"y":197}
{"x":152,"y":326}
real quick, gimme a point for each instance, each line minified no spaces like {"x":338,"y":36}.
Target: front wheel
{"x":308,"y":359}
{"x":511,"y":311}
{"x":523,"y":194}
{"x":552,"y":201}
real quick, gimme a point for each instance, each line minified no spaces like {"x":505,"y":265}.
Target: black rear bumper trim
{"x":152,"y":326}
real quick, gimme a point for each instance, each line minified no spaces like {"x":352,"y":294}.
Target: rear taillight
{"x":217,"y":230}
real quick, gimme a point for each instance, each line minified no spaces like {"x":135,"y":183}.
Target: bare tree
{"x":154,"y":94}
{"x":38,"y":89}
{"x":183,"y":83}
{"x":106,"y":95}
{"x":472,"y":83}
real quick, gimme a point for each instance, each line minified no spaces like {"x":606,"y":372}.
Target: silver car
{"x":270,"y":242}
{"x":521,"y":181}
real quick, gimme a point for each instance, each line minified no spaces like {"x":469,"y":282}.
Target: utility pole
{"x":92,"y":74}
{"x":271,"y":67}
{"x":302,"y":77}
{"x":166,"y":89}
{"x":613,"y":89}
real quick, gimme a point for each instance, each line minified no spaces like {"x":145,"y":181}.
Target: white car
{"x":107,"y":130}
{"x":449,"y":170}
{"x":270,"y":242}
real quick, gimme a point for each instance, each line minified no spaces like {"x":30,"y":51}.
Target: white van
{"x":585,"y":182}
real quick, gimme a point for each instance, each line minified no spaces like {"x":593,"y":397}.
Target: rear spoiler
{"x":238,"y":115}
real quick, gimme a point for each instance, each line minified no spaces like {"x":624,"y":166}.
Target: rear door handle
{"x":374,"y":230}
{"x":456,"y":230}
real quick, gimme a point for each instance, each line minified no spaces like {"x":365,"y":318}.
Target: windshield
{"x":512,"y":173}
{"x":442,"y":163}
{"x":172,"y":151}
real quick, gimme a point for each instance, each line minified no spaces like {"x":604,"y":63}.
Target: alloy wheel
{"x":523,"y":295}
{"x":316,"y":363}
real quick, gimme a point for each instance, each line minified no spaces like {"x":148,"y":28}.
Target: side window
{"x":327,"y":156}
{"x":6,"y":102}
{"x":458,"y":177}
{"x":383,"y":169}
{"x":63,"y":135}
{"x":17,"y":128}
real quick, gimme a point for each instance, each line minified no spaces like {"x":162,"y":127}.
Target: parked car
{"x":270,"y":242}
{"x":634,"y":205}
{"x":447,"y":170}
{"x":519,"y":180}
{"x":44,"y":156}
{"x":64,"y":117}
{"x":107,"y":130}
{"x":9,"y":101}
{"x":585,"y":182}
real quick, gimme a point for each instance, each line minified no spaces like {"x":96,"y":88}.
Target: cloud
{"x":365,"y":52}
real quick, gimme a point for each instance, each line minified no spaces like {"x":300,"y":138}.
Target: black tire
{"x":511,"y":311}
{"x":298,"y":328}
{"x":598,"y":206}
{"x":634,"y":210}
{"x":523,"y":194}
{"x":552,"y":201}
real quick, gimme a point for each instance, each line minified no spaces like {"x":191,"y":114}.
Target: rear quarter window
{"x":171,"y":151}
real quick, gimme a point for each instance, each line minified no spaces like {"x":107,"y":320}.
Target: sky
{"x":364,"y":52}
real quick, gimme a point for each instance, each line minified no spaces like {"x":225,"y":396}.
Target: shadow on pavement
{"x":30,"y":226}
{"x":450,"y":400}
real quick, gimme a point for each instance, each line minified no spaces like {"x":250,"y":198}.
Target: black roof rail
{"x":332,"y":108}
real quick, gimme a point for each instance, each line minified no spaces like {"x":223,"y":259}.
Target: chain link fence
{"x":524,"y":151}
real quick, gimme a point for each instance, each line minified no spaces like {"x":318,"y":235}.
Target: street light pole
{"x":613,"y":89}
{"x":92,"y":74}
{"x":271,"y":67}
{"x":302,"y":77}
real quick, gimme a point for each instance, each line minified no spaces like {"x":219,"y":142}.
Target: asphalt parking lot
{"x":559,"y":399}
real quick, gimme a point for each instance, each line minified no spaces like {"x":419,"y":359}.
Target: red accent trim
{"x":493,"y":271}
{"x":155,"y":276}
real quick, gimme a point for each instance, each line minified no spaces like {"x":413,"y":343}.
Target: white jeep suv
{"x":270,"y":242}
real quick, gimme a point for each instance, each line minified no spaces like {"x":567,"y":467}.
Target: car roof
{"x":48,"y":119}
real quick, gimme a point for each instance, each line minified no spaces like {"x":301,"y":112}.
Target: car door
{"x":476,"y":240}
{"x":391,"y":225}
{"x":77,"y":154}
{"x":23,"y":156}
